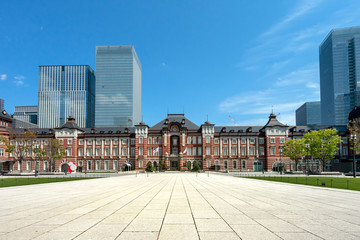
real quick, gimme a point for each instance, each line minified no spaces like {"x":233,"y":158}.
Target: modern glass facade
{"x":118,"y":86}
{"x":26,"y":113}
{"x":339,"y":75}
{"x":2,"y":107}
{"x":64,"y":91}
{"x":308,"y":114}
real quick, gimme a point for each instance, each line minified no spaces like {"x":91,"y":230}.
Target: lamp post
{"x":307,"y":146}
{"x":353,"y":137}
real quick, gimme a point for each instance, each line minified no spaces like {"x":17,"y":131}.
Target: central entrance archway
{"x":64,"y":167}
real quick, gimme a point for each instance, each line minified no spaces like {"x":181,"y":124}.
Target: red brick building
{"x":175,"y":141}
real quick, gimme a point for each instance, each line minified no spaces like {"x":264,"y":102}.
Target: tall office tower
{"x":26,"y":113}
{"x":118,"y":86}
{"x":64,"y":91}
{"x":339,"y":75}
{"x":308,"y":114}
{"x":2,"y":103}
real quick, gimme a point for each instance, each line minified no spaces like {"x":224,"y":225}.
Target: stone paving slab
{"x":178,"y":206}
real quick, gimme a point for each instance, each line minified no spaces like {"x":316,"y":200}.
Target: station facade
{"x":176,"y":141}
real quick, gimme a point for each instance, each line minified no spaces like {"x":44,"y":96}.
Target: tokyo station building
{"x":175,"y":141}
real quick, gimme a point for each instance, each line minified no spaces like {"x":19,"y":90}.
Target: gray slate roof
{"x":175,"y":118}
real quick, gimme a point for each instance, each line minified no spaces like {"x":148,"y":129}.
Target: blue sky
{"x":206,"y":58}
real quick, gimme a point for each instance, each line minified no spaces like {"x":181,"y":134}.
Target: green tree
{"x":149,"y":167}
{"x":323,"y":145}
{"x":54,"y":150}
{"x":354,"y":129}
{"x":19,"y":144}
{"x":196,"y":167}
{"x":295,"y":150}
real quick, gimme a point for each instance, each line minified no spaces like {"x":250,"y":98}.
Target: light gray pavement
{"x":178,"y":206}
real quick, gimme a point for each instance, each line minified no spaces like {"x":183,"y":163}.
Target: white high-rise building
{"x":118,"y":86}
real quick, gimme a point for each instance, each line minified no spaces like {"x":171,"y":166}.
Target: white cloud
{"x":3,"y":77}
{"x":308,"y":75}
{"x":303,"y":8}
{"x":19,"y":80}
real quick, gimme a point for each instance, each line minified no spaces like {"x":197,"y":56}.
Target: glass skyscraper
{"x":308,"y":114}
{"x":339,"y":75}
{"x":118,"y":86}
{"x":26,"y":113}
{"x":64,"y":91}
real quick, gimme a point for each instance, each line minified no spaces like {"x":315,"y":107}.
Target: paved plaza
{"x":178,"y":206}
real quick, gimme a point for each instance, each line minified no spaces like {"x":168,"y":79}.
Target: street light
{"x":353,"y":137}
{"x":307,"y":146}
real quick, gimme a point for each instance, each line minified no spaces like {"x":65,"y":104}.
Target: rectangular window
{"x":97,"y":152}
{"x":225,"y":141}
{"x":243,"y":140}
{"x":194,"y":140}
{"x":106,"y":151}
{"x":216,"y":151}
{"x":106,"y":165}
{"x":46,"y":166}
{"x":115,"y":151}
{"x":149,"y":151}
{"x":116,"y":142}
{"x":149,"y":140}
{"x":80,"y":152}
{"x":345,"y":151}
{"x":2,"y":152}
{"x":216,"y":141}
{"x":282,"y":140}
{"x":233,"y":141}
{"x":88,"y":152}
{"x":132,"y":141}
{"x":97,"y":165}
{"x":140,"y":163}
{"x":225,"y":151}
{"x":28,"y":165}
{"x":124,"y":141}
{"x":208,"y":162}
{"x":234,"y":164}
{"x":272,"y":140}
{"x":252,"y":151}
{"x":69,"y":141}
{"x":199,"y":151}
{"x":141,"y":140}
{"x":262,"y":153}
{"x":272,"y":150}
{"x":154,"y":140}
{"x":160,"y":151}
{"x":132,"y":151}
{"x":81,"y":142}
{"x":141,"y":151}
{"x":89,"y":165}
{"x":243,"y":151}
{"x":252,"y":140}
{"x":194,"y":151}
{"x":207,"y":150}
{"x":225,"y":164}
{"x":107,"y":142}
{"x":115,"y":165}
{"x":98,"y":142}
{"x":243,"y":164}
{"x":160,"y":140}
{"x":89,"y":142}
{"x":69,"y":151}
{"x":345,"y":140}
{"x":199,"y":139}
{"x":233,"y":151}
{"x":188,"y":151}
{"x":188,"y":140}
{"x":124,"y":151}
{"x":261,"y":140}
{"x":207,"y":139}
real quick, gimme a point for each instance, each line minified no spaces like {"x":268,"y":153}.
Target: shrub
{"x":188,"y":165}
{"x":196,"y":167}
{"x":149,"y":167}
